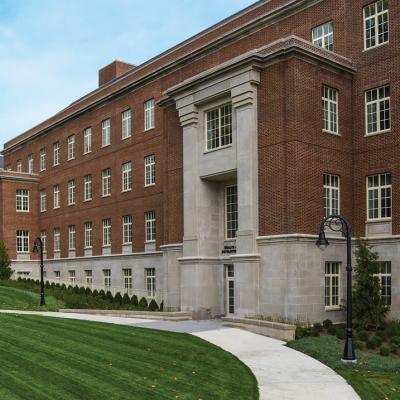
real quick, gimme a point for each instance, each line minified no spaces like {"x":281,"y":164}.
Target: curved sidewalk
{"x":282,"y":373}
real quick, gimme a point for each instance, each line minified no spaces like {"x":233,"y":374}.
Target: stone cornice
{"x":18,"y":176}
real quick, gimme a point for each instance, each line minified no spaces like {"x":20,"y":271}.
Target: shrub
{"x":358,"y":344}
{"x":381,"y":334}
{"x":162,"y":306}
{"x":5,"y":262}
{"x":95,"y":293}
{"x":153,"y":306}
{"x":109,"y":297}
{"x":327,"y":323}
{"x":134,"y":300}
{"x":340,"y":332}
{"x":47,"y":285}
{"x":318,"y":327}
{"x":76,"y":289}
{"x":395,"y":340}
{"x":63,"y":287}
{"x":393,"y":348}
{"x":126,"y":299}
{"x":143,"y":303}
{"x":88,"y":291}
{"x":392,"y":329}
{"x":118,"y":298}
{"x":373,"y":343}
{"x":302,"y":331}
{"x":82,"y":290}
{"x":384,"y":350}
{"x":102,"y":294}
{"x":332,"y":330}
{"x":362,"y":335}
{"x":378,"y":340}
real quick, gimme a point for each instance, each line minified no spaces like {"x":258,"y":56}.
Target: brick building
{"x":241,"y":138}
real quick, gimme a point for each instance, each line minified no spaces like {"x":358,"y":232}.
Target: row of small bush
{"x":327,"y":326}
{"x":85,"y":298}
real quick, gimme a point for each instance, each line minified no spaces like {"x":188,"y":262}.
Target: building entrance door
{"x":229,"y":289}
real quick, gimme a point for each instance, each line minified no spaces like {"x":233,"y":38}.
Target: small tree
{"x":5,"y":262}
{"x":368,"y":305}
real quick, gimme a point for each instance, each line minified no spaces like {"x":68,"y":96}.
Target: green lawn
{"x":49,"y":358}
{"x":17,"y":299}
{"x":373,"y":377}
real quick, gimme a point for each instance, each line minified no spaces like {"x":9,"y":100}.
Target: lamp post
{"x":338,"y":223}
{"x":38,"y":246}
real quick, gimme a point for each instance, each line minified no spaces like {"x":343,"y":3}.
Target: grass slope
{"x":49,"y":358}
{"x":373,"y":377}
{"x":17,"y":299}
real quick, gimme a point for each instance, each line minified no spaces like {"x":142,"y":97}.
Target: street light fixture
{"x":337,"y":223}
{"x":38,"y":246}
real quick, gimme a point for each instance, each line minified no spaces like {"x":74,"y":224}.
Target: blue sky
{"x":51,"y":50}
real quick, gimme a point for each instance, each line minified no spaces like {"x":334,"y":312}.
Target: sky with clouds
{"x":51,"y":50}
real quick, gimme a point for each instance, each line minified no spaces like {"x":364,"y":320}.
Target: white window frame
{"x":378,"y":105}
{"x":43,"y":198}
{"x":107,"y":232}
{"x":375,"y":18}
{"x":332,"y":284}
{"x":87,"y":140}
{"x":71,"y":141}
{"x":22,"y":241}
{"x":87,"y":188}
{"x":43,"y":236}
{"x":106,"y":182}
{"x":127,"y":278}
{"x":71,"y":237}
{"x":150,"y":170}
{"x":31,"y":160}
{"x":107,"y":279}
{"x":380,"y":188}
{"x":42,"y":159}
{"x":19,"y":165}
{"x":22,"y":200}
{"x":71,"y":192}
{"x":331,"y":193}
{"x":221,"y":136}
{"x":330,"y":110}
{"x":88,"y":235}
{"x":89,"y":277}
{"x":57,"y":239}
{"x":321,"y":35}
{"x":57,"y":276}
{"x":106,"y":132}
{"x":72,"y":277}
{"x":127,"y":229}
{"x":149,"y":114}
{"x":150,"y":282}
{"x":231,"y":216}
{"x":150,"y":226}
{"x":56,"y":154}
{"x":56,"y":196}
{"x":126,"y":176}
{"x":385,"y":279}
{"x":126,"y":124}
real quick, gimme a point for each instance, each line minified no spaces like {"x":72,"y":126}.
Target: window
{"x":71,"y":192}
{"x":30,"y":163}
{"x":8,"y":167}
{"x":57,"y":236}
{"x":150,"y":224}
{"x":56,"y":196}
{"x":127,"y":229}
{"x":87,"y":188}
{"x":106,"y":132}
{"x":72,"y":277}
{"x":331,"y":194}
{"x":127,"y":272}
{"x":149,"y":114}
{"x":126,"y":176}
{"x":71,"y":147}
{"x":150,"y":170}
{"x":385,"y":280}
{"x":42,"y":200}
{"x":19,"y":166}
{"x":56,"y":153}
{"x":379,"y":196}
{"x":106,"y":182}
{"x":22,"y":200}
{"x":231,"y":212}
{"x":88,"y":235}
{"x":322,"y":36}
{"x":43,"y":236}
{"x":107,"y":279}
{"x":87,"y":140}
{"x":126,"y":124}
{"x":329,"y":109}
{"x":219,"y":127}
{"x":89,"y":277}
{"x":71,"y":237}
{"x":332,"y":284}
{"x":22,"y":242}
{"x":107,"y":232}
{"x":150,"y":278}
{"x":42,"y":159}
{"x":376,"y":24}
{"x":57,"y":276}
{"x":377,"y":102}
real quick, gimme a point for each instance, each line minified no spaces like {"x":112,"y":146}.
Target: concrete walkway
{"x":282,"y":373}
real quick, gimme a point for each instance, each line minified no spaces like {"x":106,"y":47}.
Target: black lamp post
{"x":338,"y":223}
{"x":38,"y":246}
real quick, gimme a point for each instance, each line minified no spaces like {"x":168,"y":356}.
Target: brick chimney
{"x":113,"y":70}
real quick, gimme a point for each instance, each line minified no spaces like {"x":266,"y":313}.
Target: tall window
{"x":150,"y":224}
{"x":87,"y":140}
{"x":19,"y":166}
{"x":219,"y":127}
{"x":322,"y":36}
{"x":71,"y":192}
{"x":385,"y":279}
{"x":42,"y":159}
{"x":126,"y":124}
{"x":71,"y":237}
{"x":150,"y":170}
{"x":106,"y":182}
{"x":71,"y":147}
{"x":127,"y":229}
{"x":87,"y":187}
{"x":57,"y":276}
{"x":56,"y":153}
{"x":22,"y":242}
{"x":57,"y":241}
{"x":379,"y":196}
{"x":231,"y":211}
{"x":43,"y":200}
{"x":89,"y":277}
{"x":376,"y":24}
{"x":43,"y":236}
{"x":127,"y":272}
{"x":150,"y":282}
{"x":331,"y":194}
{"x":30,"y":163}
{"x":72,"y":277}
{"x":22,"y":200}
{"x":107,"y":232}
{"x":332,"y":284}
{"x":88,"y":235}
{"x":149,"y":114}
{"x":377,"y":103}
{"x":56,"y":196}
{"x":106,"y":132}
{"x":107,"y":279}
{"x":329,"y":109}
{"x":126,"y":176}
